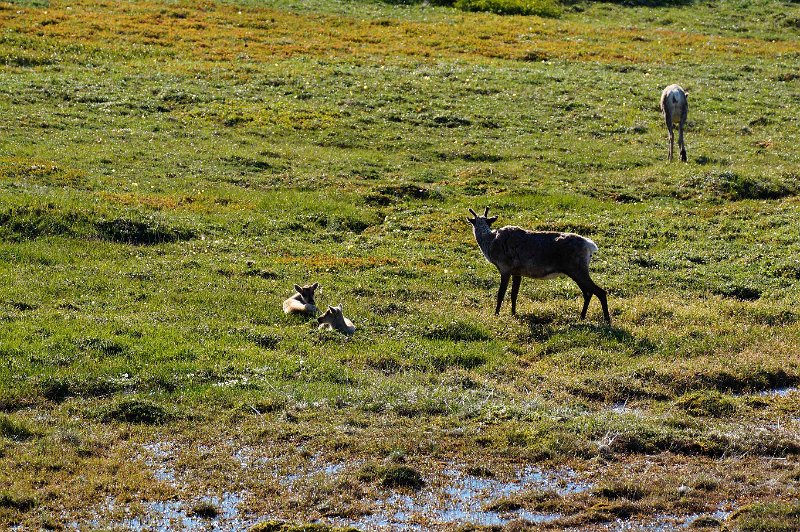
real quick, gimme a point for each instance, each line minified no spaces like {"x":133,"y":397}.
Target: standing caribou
{"x":519,"y":253}
{"x":675,"y":106}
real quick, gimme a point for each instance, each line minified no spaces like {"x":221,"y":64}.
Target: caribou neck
{"x":484,"y":236}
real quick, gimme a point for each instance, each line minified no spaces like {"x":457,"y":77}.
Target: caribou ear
{"x":298,"y":288}
{"x":315,"y":286}
{"x":471,"y":220}
{"x":491,"y":220}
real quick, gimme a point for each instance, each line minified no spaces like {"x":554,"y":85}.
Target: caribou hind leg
{"x":670,"y":136}
{"x":601,"y":295}
{"x":589,"y":288}
{"x":587,"y":297}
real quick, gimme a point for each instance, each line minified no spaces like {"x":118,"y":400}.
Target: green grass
{"x":166,"y":180}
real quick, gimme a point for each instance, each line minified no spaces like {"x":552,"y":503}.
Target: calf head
{"x":332,"y":316}
{"x":307,"y":292}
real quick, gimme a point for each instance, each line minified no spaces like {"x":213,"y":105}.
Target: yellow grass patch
{"x":216,"y":32}
{"x":180,"y":202}
{"x":321,"y":262}
{"x":36,"y":172}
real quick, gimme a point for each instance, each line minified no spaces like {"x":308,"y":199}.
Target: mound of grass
{"x":138,"y":411}
{"x":610,"y":511}
{"x":388,"y":364}
{"x":39,"y":173}
{"x":479,"y":471}
{"x":706,"y":521}
{"x":442,"y":360}
{"x":388,"y":194}
{"x":772,"y":516}
{"x":15,"y":501}
{"x":102,"y":347}
{"x":503,"y":504}
{"x":738,"y":291}
{"x":637,"y":436}
{"x":12,"y":401}
{"x":55,"y":389}
{"x":541,"y":8}
{"x":650,"y":3}
{"x":707,"y":403}
{"x":401,"y":476}
{"x":751,"y":380}
{"x":13,"y":429}
{"x":733,"y":186}
{"x":264,"y":340}
{"x":30,"y":222}
{"x":204,"y":510}
{"x":267,"y":405}
{"x":141,"y":232}
{"x":392,"y":475}
{"x":58,"y":388}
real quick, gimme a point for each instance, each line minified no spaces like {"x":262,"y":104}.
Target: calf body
{"x":302,"y":302}
{"x":519,"y":253}
{"x":334,"y":319}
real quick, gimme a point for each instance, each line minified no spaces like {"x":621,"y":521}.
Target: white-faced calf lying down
{"x":334,"y":319}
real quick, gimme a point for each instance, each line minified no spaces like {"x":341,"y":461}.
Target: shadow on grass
{"x":542,"y":328}
{"x":637,"y":3}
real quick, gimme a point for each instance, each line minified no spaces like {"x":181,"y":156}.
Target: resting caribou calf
{"x":302,"y":302}
{"x":519,"y":253}
{"x":334,"y":319}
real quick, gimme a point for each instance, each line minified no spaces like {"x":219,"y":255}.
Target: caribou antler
{"x":486,"y":212}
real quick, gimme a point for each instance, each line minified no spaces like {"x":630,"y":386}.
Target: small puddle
{"x":779,"y":392}
{"x":171,"y":515}
{"x":175,"y":514}
{"x":720,"y":515}
{"x":161,"y":515}
{"x":318,"y":468}
{"x":452,"y":498}
{"x":461,"y":498}
{"x":158,"y":454}
{"x":622,"y":408}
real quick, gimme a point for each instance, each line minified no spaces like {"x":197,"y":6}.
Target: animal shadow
{"x":544,"y":327}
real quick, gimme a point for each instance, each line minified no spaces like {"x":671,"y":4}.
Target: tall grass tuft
{"x":541,"y":8}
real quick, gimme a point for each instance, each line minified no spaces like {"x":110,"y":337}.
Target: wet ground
{"x":460,"y":494}
{"x":460,"y":498}
{"x":456,"y":497}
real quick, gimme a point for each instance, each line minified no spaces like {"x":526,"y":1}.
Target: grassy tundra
{"x":170,"y":170}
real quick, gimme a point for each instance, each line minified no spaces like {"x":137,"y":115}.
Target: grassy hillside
{"x":169,"y":170}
